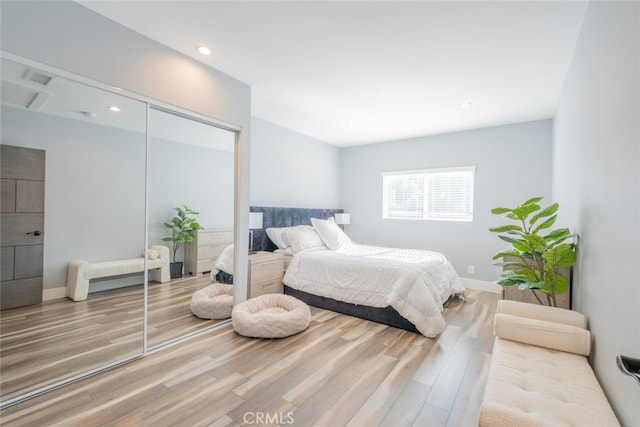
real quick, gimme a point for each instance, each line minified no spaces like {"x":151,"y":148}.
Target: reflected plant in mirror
{"x":182,"y":225}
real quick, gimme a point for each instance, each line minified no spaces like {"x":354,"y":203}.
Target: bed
{"x":403,"y":288}
{"x":223,"y":271}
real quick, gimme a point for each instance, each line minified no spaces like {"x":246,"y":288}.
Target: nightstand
{"x":265,"y":273}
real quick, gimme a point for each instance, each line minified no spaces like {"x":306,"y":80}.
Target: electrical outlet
{"x":471,"y":269}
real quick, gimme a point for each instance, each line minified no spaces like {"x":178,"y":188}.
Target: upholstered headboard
{"x":284,"y":217}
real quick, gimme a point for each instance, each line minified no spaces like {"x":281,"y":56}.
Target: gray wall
{"x":70,"y":37}
{"x":86,"y":216}
{"x":96,"y":219}
{"x":206,"y":186}
{"x":500,"y":180}
{"x":596,"y":179}
{"x":290,"y":169}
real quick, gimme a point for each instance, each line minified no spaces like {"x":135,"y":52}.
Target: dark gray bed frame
{"x":288,"y":217}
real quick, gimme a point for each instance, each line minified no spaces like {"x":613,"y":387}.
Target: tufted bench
{"x":79,"y":272}
{"x":539,"y":373}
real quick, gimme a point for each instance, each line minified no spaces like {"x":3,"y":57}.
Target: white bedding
{"x":414,"y":282}
{"x":225,"y":261}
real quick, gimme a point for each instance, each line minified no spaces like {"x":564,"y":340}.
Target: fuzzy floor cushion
{"x":270,"y":316}
{"x":213,"y":302}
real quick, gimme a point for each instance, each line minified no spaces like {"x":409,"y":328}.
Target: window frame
{"x":387,"y":214}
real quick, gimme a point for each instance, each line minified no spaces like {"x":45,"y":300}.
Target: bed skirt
{"x":385,"y":315}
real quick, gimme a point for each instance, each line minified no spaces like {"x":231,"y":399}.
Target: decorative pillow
{"x":277,"y":237}
{"x":302,"y":237}
{"x":331,"y":234}
{"x":152,"y":254}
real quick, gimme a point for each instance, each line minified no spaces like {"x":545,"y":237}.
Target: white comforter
{"x":414,"y":282}
{"x":225,"y":260}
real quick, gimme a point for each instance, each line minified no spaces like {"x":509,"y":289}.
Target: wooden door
{"x":22,"y":226}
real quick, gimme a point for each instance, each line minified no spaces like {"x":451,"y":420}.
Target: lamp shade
{"x":255,"y":220}
{"x":343,"y":218}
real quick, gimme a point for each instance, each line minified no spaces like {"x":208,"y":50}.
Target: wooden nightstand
{"x":265,"y":273}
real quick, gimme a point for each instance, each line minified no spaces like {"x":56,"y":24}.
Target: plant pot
{"x":175,"y":269}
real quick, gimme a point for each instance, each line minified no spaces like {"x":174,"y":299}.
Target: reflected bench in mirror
{"x":80,"y":272}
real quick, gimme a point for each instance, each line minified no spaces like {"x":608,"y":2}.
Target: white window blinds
{"x":429,"y":194}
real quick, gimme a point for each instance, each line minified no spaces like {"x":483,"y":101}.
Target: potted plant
{"x":537,"y":252}
{"x":181,"y":227}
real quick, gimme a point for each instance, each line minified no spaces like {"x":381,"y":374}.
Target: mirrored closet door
{"x":73,"y":190}
{"x":89,"y":177}
{"x":191,"y":163}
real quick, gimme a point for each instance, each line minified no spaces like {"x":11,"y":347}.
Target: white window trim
{"x":430,"y":171}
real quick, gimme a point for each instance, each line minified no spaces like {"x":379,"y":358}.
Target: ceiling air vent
{"x":22,"y":96}
{"x":36,"y":77}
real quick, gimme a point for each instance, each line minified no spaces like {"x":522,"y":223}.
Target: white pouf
{"x":270,"y":316}
{"x":213,"y":302}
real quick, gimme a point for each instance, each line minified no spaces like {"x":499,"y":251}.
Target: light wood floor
{"x":341,"y":371}
{"x":52,"y":341}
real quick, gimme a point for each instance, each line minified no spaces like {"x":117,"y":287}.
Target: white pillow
{"x":152,"y":254}
{"x":331,"y":234}
{"x":277,"y":237}
{"x":302,"y":237}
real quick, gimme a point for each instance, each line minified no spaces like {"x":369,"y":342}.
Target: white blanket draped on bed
{"x":414,"y":282}
{"x":225,"y":260}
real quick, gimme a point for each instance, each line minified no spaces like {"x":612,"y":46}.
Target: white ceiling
{"x":359,"y":72}
{"x":55,"y":95}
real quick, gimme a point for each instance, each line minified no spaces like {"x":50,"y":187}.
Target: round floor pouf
{"x":270,"y":316}
{"x":213,"y":302}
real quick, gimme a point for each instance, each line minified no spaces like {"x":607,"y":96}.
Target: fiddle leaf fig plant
{"x":536,"y":251}
{"x":181,"y":227}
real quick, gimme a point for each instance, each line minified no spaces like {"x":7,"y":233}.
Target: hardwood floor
{"x":341,"y":371}
{"x":48,"y":342}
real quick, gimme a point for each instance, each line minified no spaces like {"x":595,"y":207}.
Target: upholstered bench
{"x":270,"y":316}
{"x":213,"y":302}
{"x":539,"y":373}
{"x":80,"y":272}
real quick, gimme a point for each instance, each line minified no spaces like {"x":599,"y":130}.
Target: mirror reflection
{"x":79,"y":176}
{"x":73,"y":221}
{"x":191,"y":187}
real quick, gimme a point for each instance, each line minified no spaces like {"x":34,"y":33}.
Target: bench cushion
{"x":119,"y":267}
{"x":535,"y":386}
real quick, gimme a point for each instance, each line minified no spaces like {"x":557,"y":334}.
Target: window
{"x":429,"y":194}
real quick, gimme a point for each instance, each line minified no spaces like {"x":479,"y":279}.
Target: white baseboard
{"x":481,"y":285}
{"x":54,"y":293}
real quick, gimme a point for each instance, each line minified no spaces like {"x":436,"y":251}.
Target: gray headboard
{"x":284,"y":217}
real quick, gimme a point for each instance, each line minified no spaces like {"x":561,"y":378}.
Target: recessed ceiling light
{"x":466,"y":104}
{"x":203,"y":50}
{"x":114,"y":108}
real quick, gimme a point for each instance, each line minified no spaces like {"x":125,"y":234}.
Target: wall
{"x":596,"y":179}
{"x":70,"y":37}
{"x":500,"y":180}
{"x":290,"y":169}
{"x":206,"y":186}
{"x":79,"y":155}
{"x":88,"y":217}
